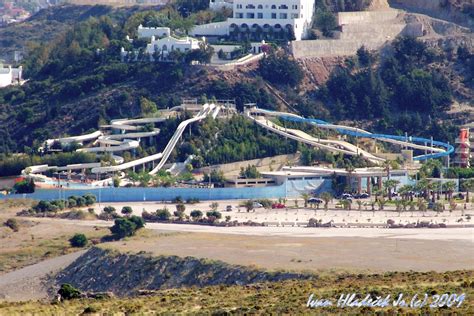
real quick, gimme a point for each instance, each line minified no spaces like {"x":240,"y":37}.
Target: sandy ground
{"x":330,"y":250}
{"x":29,"y":283}
{"x":304,"y":214}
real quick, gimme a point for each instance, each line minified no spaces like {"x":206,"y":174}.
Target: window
{"x":260,"y":6}
{"x":239,"y":15}
{"x":274,"y":6}
{"x":259,"y":15}
{"x":283,"y":6}
{"x":239,"y":6}
{"x":250,"y":15}
{"x":274,"y":15}
{"x":294,"y":7}
{"x":250,"y":6}
{"x":283,"y":16}
{"x":294,"y":15}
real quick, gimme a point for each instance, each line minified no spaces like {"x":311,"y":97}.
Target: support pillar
{"x":379,"y":182}
{"x":369,"y":183}
{"x":359,"y":185}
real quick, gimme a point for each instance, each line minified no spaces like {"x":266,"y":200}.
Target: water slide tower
{"x":463,"y":149}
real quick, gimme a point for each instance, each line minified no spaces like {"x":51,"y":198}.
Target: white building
{"x":148,"y":32}
{"x":264,"y":19}
{"x":220,"y":4}
{"x":10,"y":75}
{"x":164,"y":46}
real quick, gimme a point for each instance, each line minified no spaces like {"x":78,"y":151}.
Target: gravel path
{"x":29,"y":283}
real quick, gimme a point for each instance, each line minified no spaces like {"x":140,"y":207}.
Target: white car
{"x":256,"y":205}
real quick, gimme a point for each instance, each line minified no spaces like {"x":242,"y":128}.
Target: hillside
{"x":72,"y":89}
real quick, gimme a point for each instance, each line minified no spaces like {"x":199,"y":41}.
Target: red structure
{"x":463,"y":149}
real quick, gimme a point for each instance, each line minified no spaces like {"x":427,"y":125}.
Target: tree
{"x":305,"y":197}
{"x":279,"y":69}
{"x":381,"y":203}
{"x":127,"y":210}
{"x":25,"y":186}
{"x":389,"y":186}
{"x":467,"y":186}
{"x":78,"y":240}
{"x":450,"y":186}
{"x":116,"y":182}
{"x":123,"y":227}
{"x":196,"y":215}
{"x":326,"y":197}
{"x":68,"y":292}
{"x":90,"y":199}
{"x":250,"y":172}
{"x":248,"y":205}
{"x":325,"y":21}
{"x":109,"y":210}
{"x":364,"y":56}
{"x":180,"y":207}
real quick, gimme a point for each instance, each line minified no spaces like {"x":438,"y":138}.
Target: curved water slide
{"x":74,"y":139}
{"x":357,"y":132}
{"x":163,"y":157}
{"x":335,"y":146}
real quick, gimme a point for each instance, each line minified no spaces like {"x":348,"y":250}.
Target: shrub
{"x":25,"y":186}
{"x":123,"y":227}
{"x":68,"y":292}
{"x":78,"y":240}
{"x":180,"y":208}
{"x":215,"y":214}
{"x":109,"y":210}
{"x":138,"y":221}
{"x":280,"y":69}
{"x":12,"y":224}
{"x":127,"y":210}
{"x":163,"y":215}
{"x":196,"y":214}
{"x":90,"y":199}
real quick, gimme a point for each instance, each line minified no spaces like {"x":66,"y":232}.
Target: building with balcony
{"x":463,"y":149}
{"x":264,"y":20}
{"x":10,"y":75}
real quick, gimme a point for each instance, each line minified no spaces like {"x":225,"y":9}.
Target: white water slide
{"x":163,"y":157}
{"x":347,"y":148}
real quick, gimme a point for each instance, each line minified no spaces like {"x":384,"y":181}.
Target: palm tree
{"x":359,"y":206}
{"x":350,"y":170}
{"x":387,"y":166}
{"x":435,"y":187}
{"x":449,"y":187}
{"x":381,"y":203}
{"x":468,"y":185}
{"x":390,"y":185}
{"x":405,"y":191}
{"x":326,"y":197}
{"x":423,"y":187}
{"x":305,"y":197}
{"x":248,"y":205}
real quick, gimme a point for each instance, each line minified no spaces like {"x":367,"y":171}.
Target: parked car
{"x":256,"y":205}
{"x":278,"y":205}
{"x":228,"y":208}
{"x":362,"y":196}
{"x":315,"y":201}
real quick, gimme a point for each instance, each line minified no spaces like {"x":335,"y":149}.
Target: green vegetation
{"x":69,"y":292}
{"x":250,"y":172}
{"x":279,"y":69}
{"x":125,"y":227}
{"x":24,"y":186}
{"x":78,"y":240}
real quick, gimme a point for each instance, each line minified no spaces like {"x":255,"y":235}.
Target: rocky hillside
{"x":100,"y":270}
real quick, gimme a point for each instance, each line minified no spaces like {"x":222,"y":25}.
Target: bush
{"x":280,"y":69}
{"x":68,"y":292}
{"x":127,"y":210}
{"x":90,"y":199}
{"x":78,"y":240}
{"x":24,"y":186}
{"x":196,"y":214}
{"x":215,"y":214}
{"x":138,"y":221}
{"x":163,"y":215}
{"x":109,"y":210}
{"x":123,"y":227}
{"x":12,"y":224}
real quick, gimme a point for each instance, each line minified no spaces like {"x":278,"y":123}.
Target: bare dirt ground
{"x":391,"y":252}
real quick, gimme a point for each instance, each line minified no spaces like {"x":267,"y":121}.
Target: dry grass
{"x":287,"y":297}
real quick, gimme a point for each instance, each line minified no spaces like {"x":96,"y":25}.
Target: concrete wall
{"x":276,"y":162}
{"x":324,"y":48}
{"x":211,"y":29}
{"x":366,"y":16}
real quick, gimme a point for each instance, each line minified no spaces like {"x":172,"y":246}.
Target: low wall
{"x":366,"y":16}
{"x":324,"y":48}
{"x":262,"y":162}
